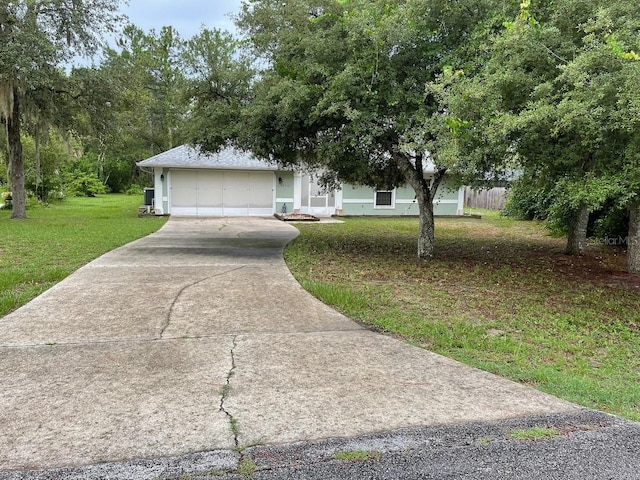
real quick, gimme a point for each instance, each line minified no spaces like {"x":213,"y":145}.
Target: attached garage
{"x":221,"y":193}
{"x":227,"y":183}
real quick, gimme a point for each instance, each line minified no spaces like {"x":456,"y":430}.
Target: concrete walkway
{"x":196,"y":339}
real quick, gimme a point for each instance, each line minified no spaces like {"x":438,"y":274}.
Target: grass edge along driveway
{"x":56,"y":240}
{"x":500,"y":296}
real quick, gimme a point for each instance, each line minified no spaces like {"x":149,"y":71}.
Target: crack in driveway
{"x":167,"y":321}
{"x":226,"y":389}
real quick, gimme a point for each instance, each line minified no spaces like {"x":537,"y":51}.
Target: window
{"x":385,"y":199}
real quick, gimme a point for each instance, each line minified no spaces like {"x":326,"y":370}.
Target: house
{"x":232,"y":182}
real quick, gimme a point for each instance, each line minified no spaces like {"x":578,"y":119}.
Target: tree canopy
{"x":557,"y":98}
{"x":343,"y":88}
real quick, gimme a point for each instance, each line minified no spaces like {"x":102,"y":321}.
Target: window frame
{"x":392,"y":206}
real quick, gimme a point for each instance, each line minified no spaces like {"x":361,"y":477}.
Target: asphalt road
{"x":589,"y":446}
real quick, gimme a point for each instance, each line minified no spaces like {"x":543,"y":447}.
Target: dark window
{"x":384,"y":199}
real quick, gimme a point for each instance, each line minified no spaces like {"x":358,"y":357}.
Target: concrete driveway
{"x":196,"y":339}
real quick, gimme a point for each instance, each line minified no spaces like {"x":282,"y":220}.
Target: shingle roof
{"x":186,"y":156}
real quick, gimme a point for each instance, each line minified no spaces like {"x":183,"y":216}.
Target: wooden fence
{"x":490,"y":199}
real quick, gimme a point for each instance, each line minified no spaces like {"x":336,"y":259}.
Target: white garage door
{"x":207,"y":192}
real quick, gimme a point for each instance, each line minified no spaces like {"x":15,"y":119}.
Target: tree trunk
{"x":425,"y":193}
{"x":426,"y":235}
{"x":577,"y":237}
{"x":633,"y":240}
{"x":18,"y":190}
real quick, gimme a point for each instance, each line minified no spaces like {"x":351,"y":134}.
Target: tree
{"x":133,"y":103}
{"x":95,"y":117}
{"x":556,"y":97}
{"x":46,"y":159}
{"x":219,"y":79}
{"x":344,"y":89}
{"x":147,"y":71}
{"x":36,"y":36}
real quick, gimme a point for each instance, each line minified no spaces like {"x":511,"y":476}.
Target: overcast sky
{"x":187,"y":16}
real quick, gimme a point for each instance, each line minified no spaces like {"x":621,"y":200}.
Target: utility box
{"x":149,"y":194}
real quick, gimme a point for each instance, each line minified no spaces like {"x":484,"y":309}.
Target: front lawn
{"x":500,"y":296}
{"x":56,"y":240}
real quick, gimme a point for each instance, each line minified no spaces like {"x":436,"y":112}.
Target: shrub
{"x":527,"y":201}
{"x":85,"y":185}
{"x":610,"y":222}
{"x":134,"y":190}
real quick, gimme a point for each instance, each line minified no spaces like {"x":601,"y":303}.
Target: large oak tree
{"x":343,"y":88}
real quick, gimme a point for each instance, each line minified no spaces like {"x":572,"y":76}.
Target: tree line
{"x":80,"y":130}
{"x":373,"y":92}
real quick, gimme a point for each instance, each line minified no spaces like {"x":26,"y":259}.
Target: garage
{"x":230,"y":182}
{"x":221,"y":192}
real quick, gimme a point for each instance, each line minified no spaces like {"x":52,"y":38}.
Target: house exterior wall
{"x":351,"y":200}
{"x":359,"y":200}
{"x":285,"y":194}
{"x":161,"y":195}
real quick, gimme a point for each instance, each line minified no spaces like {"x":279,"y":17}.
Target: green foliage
{"x":85,"y":185}
{"x":531,"y":200}
{"x":535,"y":433}
{"x":36,"y":38}
{"x":148,"y":112}
{"x":53,"y":31}
{"x":219,"y":79}
{"x":345,"y":86}
{"x":357,"y":455}
{"x":44,"y":165}
{"x":133,"y":105}
{"x":554,"y":98}
{"x":247,"y":467}
{"x":135,"y":190}
{"x":568,"y":194}
{"x":342,"y":88}
{"x":611,"y":221}
{"x":527,"y":201}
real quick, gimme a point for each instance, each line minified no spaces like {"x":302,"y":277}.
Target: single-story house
{"x":232,"y":182}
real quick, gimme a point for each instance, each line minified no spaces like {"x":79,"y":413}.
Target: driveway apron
{"x":198,"y":338}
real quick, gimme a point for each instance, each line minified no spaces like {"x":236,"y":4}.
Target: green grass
{"x":534,"y":433}
{"x":247,"y":467}
{"x":500,"y":295}
{"x":356,"y":455}
{"x":56,"y":240}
